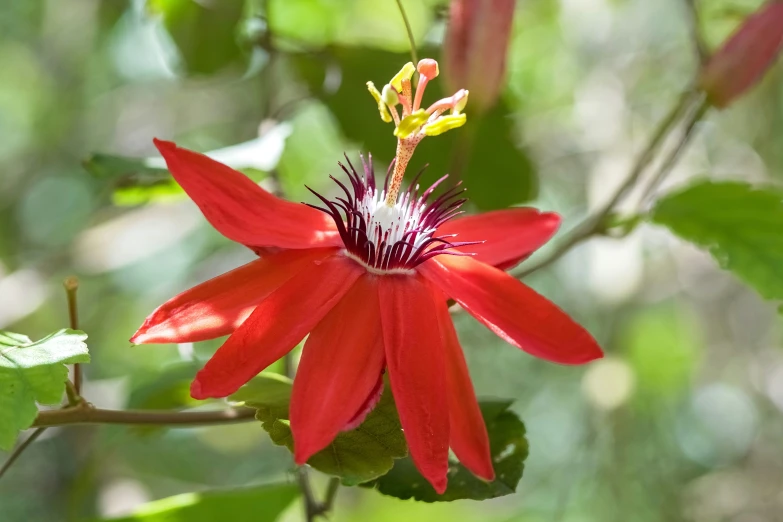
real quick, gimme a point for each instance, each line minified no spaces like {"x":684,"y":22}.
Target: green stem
{"x":412,"y":41}
{"x":331,"y":495}
{"x":310,"y":502}
{"x":19,"y":450}
{"x":671,"y":159}
{"x":71,"y":285}
{"x":702,"y":52}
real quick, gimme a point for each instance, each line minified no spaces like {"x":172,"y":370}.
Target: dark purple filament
{"x":392,"y":238}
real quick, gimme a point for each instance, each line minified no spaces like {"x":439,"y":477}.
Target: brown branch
{"x":595,"y":222}
{"x":85,"y":414}
{"x":671,"y":160}
{"x":311,"y":504}
{"x":331,"y":495}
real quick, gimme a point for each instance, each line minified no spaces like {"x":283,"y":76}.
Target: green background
{"x":682,"y":421}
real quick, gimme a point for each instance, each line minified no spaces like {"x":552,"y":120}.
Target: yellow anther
{"x":461,"y":100}
{"x":411,"y":123}
{"x":406,"y":73}
{"x":444,"y":123}
{"x":385,"y":116}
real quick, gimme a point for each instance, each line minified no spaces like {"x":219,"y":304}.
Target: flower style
{"x":367,"y":275}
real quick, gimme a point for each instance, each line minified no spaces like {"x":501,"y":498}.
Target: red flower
{"x":366,"y":276}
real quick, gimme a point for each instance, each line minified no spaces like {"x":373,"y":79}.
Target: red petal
{"x":276,"y":326}
{"x":241,"y":210}
{"x":467,"y":431}
{"x":511,"y":235}
{"x":367,"y":406}
{"x":220,"y":305}
{"x":340,"y":365}
{"x":512,"y":310}
{"x":414,"y":356}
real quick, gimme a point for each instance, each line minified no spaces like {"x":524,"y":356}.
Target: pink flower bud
{"x":744,"y":58}
{"x":475,"y":48}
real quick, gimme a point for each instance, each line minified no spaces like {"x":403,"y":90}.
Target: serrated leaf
{"x":13,"y":339}
{"x":356,"y":456}
{"x":34,"y":372}
{"x":509,"y":449}
{"x":258,"y":504}
{"x":741,"y":226}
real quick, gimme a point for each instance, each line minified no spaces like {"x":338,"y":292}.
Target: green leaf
{"x":205,"y":33}
{"x":509,"y":449}
{"x":258,"y":504}
{"x":138,"y":181}
{"x":740,"y":225}
{"x":34,"y":372}
{"x":498,"y":173}
{"x":135,"y":180}
{"x":106,"y":166}
{"x":356,"y":456}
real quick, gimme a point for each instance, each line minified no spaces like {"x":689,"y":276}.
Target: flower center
{"x":392,"y":238}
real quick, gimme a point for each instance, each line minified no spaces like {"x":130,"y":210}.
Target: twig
{"x":311,"y":505}
{"x":592,"y":224}
{"x":702,"y":52}
{"x":86,"y":414}
{"x":19,"y":450}
{"x":314,"y":508}
{"x":671,"y":159}
{"x":71,"y":285}
{"x":70,"y":392}
{"x":331,"y":495}
{"x":412,"y":41}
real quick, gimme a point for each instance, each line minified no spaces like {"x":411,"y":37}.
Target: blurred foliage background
{"x":681,"y":421}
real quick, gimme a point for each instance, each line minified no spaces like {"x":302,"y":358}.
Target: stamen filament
{"x":406,"y":96}
{"x":420,"y":92}
{"x":440,"y":105}
{"x":395,"y":116}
